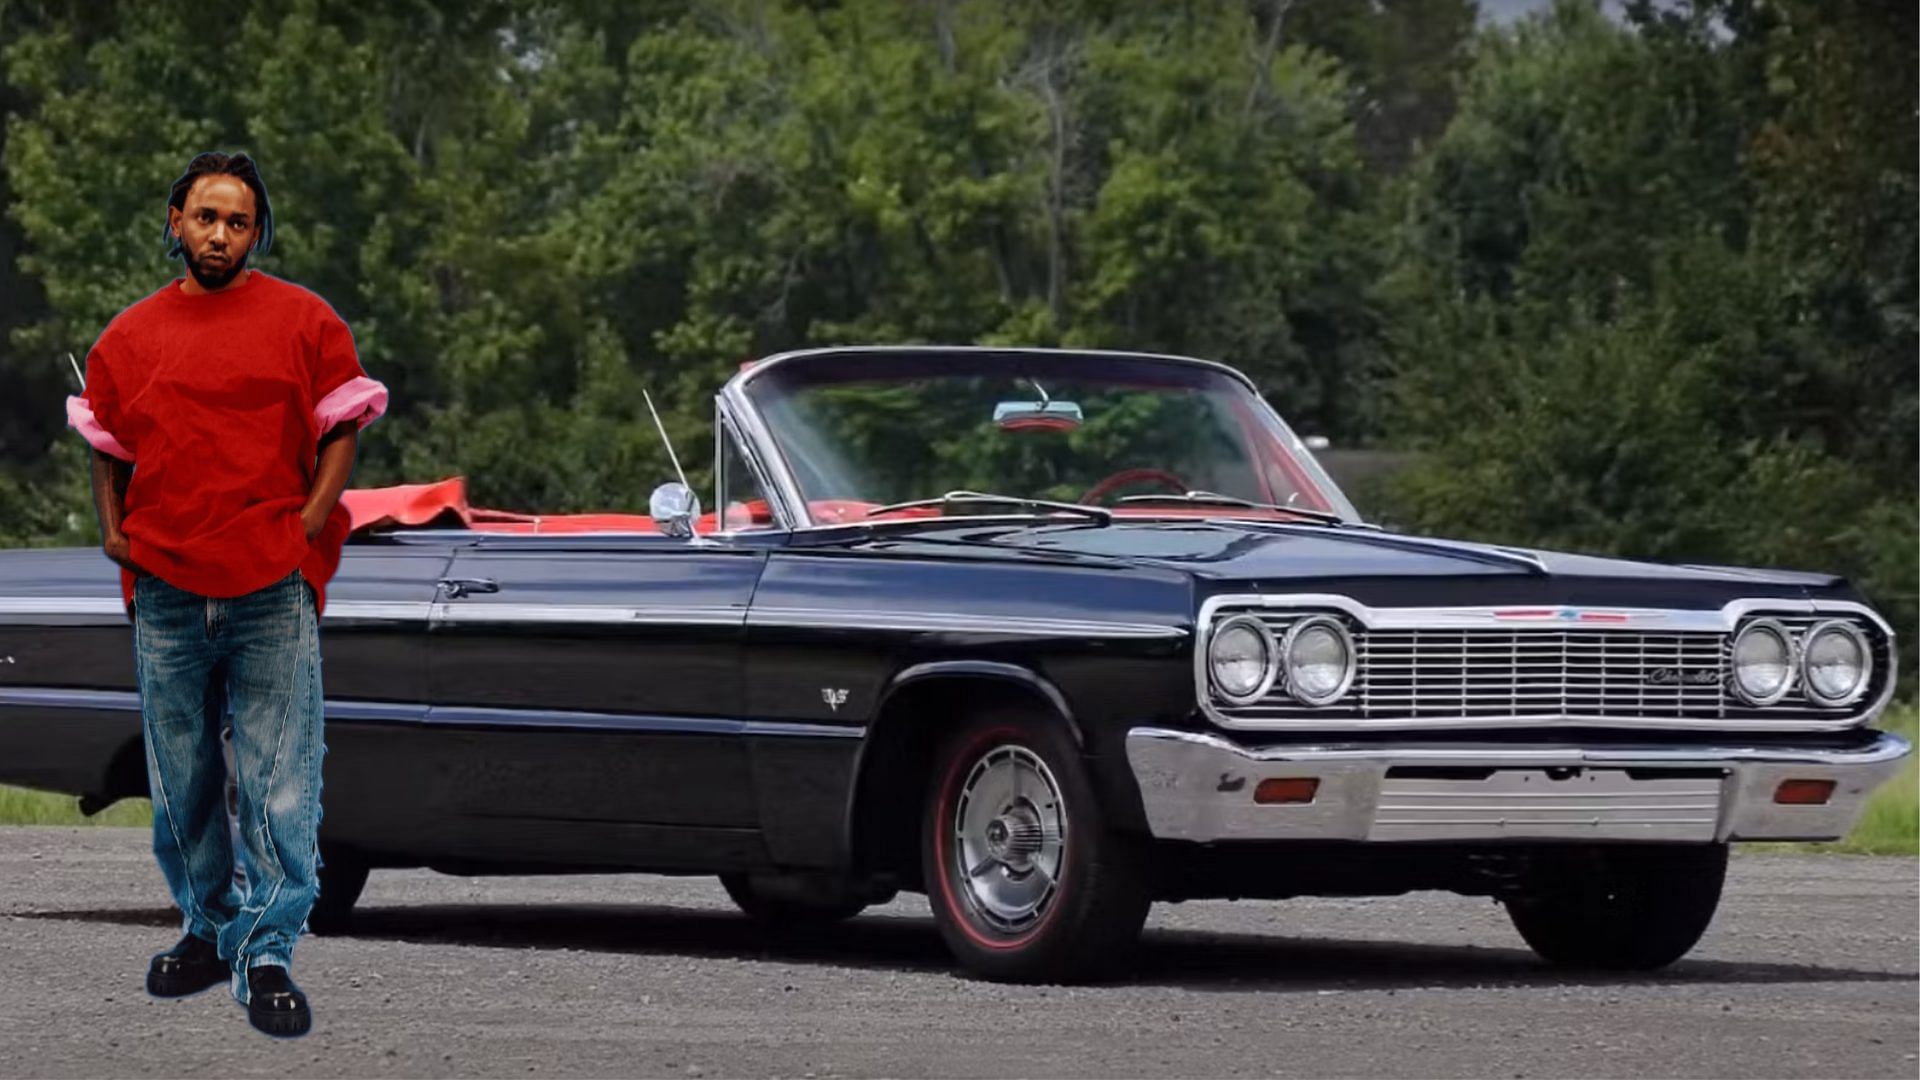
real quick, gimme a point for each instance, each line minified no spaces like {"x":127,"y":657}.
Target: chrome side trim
{"x":935,"y":621}
{"x":459,"y":612}
{"x":394,"y":610}
{"x":463,"y":715}
{"x":1199,"y":787}
{"x":442,"y":613}
{"x":379,"y":610}
{"x":62,"y":698}
{"x":783,"y":729}
{"x":486,"y":716}
{"x":1663,"y":620}
{"x":62,"y":605}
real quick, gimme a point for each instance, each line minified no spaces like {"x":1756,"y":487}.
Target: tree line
{"x":1640,"y":281}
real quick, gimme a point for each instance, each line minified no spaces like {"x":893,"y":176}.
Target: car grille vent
{"x":1545,"y":673}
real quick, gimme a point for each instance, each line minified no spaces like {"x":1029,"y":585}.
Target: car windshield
{"x":1146,"y":437}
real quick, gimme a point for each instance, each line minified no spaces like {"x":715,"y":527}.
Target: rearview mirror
{"x":674,"y":507}
{"x":1028,"y":415}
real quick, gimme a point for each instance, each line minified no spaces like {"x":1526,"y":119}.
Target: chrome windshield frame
{"x":735,"y":419}
{"x":784,"y":488}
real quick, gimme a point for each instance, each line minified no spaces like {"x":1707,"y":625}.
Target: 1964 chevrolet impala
{"x":1047,"y":636}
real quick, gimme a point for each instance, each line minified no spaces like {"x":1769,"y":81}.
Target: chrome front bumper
{"x":1200,"y":787}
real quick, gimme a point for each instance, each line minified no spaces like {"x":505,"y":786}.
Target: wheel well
{"x":896,"y":765}
{"x":126,"y":775}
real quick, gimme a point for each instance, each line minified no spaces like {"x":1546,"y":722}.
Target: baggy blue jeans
{"x":256,"y":656}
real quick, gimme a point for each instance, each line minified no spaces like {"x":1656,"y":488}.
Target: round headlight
{"x":1241,"y":658}
{"x":1318,"y":659}
{"x":1762,"y":662}
{"x":1835,"y":663}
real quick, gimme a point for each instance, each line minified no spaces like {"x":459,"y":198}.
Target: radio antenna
{"x":664,"y":441}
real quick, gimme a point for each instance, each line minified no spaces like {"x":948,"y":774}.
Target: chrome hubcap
{"x":1009,"y":831}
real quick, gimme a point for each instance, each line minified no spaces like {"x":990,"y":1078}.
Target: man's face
{"x":216,"y":229}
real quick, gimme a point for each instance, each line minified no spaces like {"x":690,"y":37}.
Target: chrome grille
{"x":1520,"y":672}
{"x":1544,"y":672}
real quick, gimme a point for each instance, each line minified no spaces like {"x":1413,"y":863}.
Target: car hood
{"x":1379,"y":567}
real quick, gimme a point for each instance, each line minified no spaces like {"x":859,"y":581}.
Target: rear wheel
{"x":342,"y":875}
{"x":1026,"y":880}
{"x":1626,"y":908}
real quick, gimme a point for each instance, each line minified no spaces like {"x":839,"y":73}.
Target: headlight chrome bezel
{"x":1852,"y":631}
{"x":1285,"y":665}
{"x":1270,"y":673}
{"x":1791,"y":662}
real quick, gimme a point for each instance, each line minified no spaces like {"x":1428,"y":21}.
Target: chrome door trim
{"x":450,"y":612}
{"x":391,"y":610}
{"x":378,"y":610}
{"x":52,"y":697}
{"x":62,"y":605}
{"x":405,"y":712}
{"x":1018,"y":625}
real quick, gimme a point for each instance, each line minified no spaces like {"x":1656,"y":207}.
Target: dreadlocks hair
{"x":213,"y":163}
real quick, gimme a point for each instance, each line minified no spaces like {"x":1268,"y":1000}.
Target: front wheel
{"x":1026,"y":879}
{"x":1626,"y":908}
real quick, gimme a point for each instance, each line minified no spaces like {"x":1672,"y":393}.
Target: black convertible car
{"x":1048,"y":636}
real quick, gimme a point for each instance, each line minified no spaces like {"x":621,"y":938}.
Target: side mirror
{"x":674,"y":507}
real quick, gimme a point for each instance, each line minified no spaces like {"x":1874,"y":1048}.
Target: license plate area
{"x":1418,"y":803}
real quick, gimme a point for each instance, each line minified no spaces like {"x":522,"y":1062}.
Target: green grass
{"x":23,"y":806}
{"x":1891,"y":825}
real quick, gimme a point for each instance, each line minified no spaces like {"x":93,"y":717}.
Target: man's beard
{"x":214,"y":279}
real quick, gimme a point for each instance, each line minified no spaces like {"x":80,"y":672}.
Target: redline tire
{"x":1087,"y":925}
{"x":1621,"y":908}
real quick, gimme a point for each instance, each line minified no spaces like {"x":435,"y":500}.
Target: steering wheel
{"x":1133,"y":476}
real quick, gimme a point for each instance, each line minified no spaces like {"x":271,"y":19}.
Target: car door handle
{"x":457,"y":587}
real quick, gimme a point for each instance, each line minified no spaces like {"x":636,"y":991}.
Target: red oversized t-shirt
{"x":219,"y":401}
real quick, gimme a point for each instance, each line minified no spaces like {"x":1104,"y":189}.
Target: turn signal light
{"x":1286,"y":789}
{"x":1803,"y":792}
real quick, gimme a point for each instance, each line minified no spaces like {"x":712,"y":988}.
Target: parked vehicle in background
{"x":1048,"y":636}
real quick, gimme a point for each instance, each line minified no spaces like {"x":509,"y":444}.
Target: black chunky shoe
{"x":274,"y":1004}
{"x":189,"y":967}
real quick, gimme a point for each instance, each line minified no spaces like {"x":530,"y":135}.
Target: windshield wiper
{"x":1214,"y":498}
{"x":1104,"y":517}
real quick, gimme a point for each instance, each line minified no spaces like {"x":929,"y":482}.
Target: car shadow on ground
{"x":1188,"y":959}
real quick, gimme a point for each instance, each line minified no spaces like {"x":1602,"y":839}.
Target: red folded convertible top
{"x":443,"y":504}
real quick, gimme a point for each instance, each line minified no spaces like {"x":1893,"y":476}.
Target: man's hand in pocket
{"x":116,"y":548}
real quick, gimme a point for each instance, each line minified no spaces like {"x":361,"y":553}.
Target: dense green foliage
{"x":1642,"y":286}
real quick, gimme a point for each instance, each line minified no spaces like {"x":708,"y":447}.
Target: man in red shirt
{"x":224,"y":413}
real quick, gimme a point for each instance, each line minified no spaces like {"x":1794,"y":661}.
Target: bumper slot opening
{"x":1438,"y":772}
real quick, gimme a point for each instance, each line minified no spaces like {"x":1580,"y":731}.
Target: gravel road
{"x":1810,"y":970}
